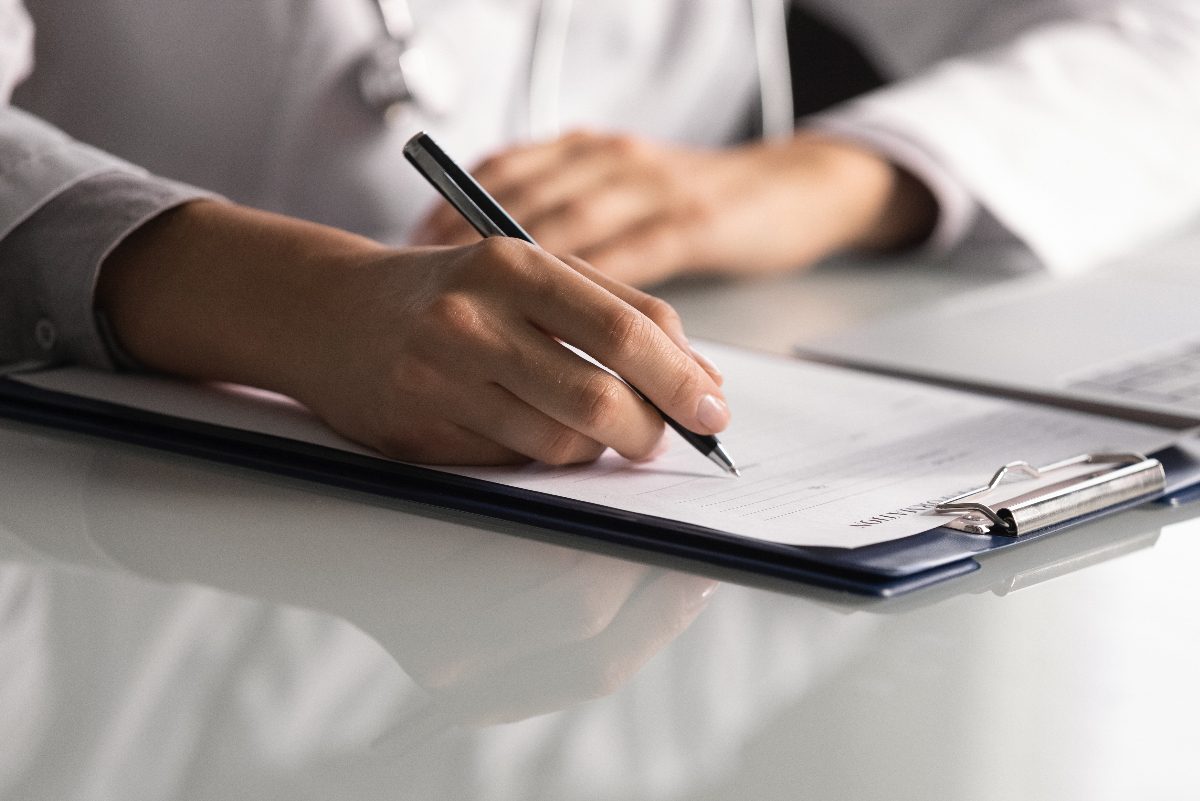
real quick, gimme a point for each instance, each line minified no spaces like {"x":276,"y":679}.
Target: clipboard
{"x":1000,"y":514}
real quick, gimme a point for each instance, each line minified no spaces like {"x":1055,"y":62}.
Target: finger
{"x":662,"y":313}
{"x":658,"y":613}
{"x":580,"y":396}
{"x":571,"y":607}
{"x":652,"y":253}
{"x":495,"y":413}
{"x":540,"y":194}
{"x":593,"y":216}
{"x":568,"y":306}
{"x":443,"y":227}
{"x":519,"y":164}
{"x":571,"y":307}
{"x":443,"y":442}
{"x":565,"y":209}
{"x":498,"y":174}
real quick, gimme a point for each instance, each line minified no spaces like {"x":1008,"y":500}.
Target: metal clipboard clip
{"x":1118,"y":478}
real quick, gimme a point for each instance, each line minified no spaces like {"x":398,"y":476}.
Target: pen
{"x":488,"y":218}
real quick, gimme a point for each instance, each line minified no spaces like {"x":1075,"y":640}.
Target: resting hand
{"x":435,"y":355}
{"x":643,"y":212}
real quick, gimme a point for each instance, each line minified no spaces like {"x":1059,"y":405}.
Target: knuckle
{"x":701,"y":212}
{"x":507,"y":257}
{"x":686,"y":389}
{"x":600,"y":402}
{"x":627,"y":332}
{"x":495,"y":168}
{"x":622,"y":145}
{"x":499,"y":249}
{"x":662,"y":313}
{"x":529,"y":199}
{"x":456,"y":314}
{"x":579,"y":213}
{"x":582,"y":141}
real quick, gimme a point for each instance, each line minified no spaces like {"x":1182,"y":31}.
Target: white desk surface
{"x":175,"y":629}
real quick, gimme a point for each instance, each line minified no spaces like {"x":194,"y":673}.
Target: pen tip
{"x":721,"y":457}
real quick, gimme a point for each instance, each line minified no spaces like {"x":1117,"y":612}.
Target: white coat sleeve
{"x":63,"y":207}
{"x":1074,"y":123}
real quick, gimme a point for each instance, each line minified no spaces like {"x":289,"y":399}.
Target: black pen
{"x":487,"y":217}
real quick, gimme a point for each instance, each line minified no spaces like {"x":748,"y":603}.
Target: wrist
{"x":863,"y":201}
{"x":886,"y":207}
{"x":905,"y":217}
{"x":214,"y":291}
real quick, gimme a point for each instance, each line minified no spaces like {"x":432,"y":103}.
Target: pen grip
{"x":487,"y":217}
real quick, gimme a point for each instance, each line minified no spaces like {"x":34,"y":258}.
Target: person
{"x":1062,"y":126}
{"x":427,"y":355}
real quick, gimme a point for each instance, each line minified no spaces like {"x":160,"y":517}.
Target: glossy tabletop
{"x":178,"y":629}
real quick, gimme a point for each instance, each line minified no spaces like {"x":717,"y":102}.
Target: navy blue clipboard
{"x":884,"y":569}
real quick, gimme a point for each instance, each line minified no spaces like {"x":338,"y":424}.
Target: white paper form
{"x":828,"y":456}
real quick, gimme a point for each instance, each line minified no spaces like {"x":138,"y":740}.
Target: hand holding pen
{"x":426,"y":355}
{"x":490,"y":220}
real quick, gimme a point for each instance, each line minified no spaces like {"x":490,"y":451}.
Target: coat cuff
{"x":957,"y":208}
{"x":52,"y":260}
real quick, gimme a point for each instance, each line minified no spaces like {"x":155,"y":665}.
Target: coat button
{"x":45,"y":334}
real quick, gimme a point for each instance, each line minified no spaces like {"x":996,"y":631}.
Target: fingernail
{"x":712,"y":413}
{"x":708,"y":366}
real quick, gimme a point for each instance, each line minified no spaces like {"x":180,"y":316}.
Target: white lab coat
{"x":1072,"y":122}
